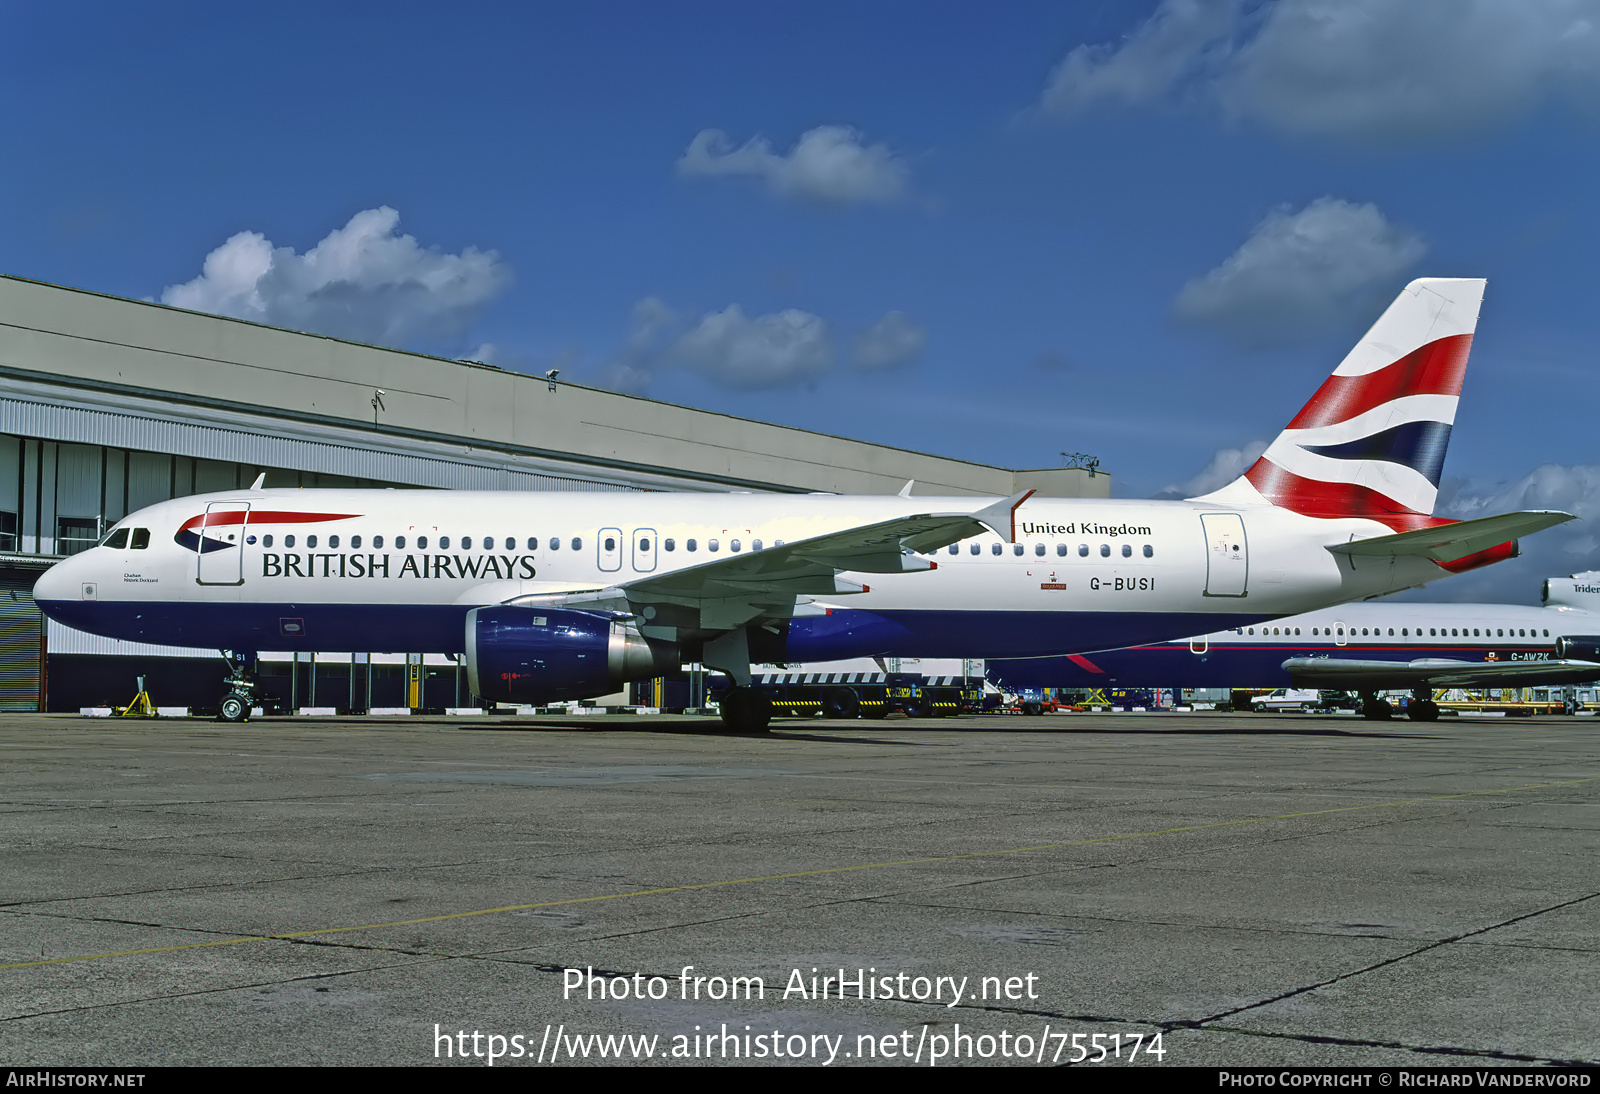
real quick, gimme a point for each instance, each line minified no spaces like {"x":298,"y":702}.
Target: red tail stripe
{"x":1435,"y":369}
{"x":1315,"y":498}
{"x":236,"y":516}
{"x":1084,"y":663}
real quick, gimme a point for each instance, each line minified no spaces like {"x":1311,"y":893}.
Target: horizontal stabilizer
{"x":1448,"y":542}
{"x":1350,"y":673}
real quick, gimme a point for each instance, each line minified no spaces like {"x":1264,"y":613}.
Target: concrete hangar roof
{"x":84,"y":367}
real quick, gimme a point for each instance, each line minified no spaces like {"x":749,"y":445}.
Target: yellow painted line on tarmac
{"x":291,"y":935}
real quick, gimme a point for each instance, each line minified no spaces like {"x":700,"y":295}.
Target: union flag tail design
{"x":1371,"y":441}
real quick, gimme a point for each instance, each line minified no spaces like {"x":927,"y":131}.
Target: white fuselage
{"x":396,"y":570}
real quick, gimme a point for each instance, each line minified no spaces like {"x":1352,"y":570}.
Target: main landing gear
{"x":745,"y":710}
{"x":1375,"y":708}
{"x":1422,"y":708}
{"x":240,"y":684}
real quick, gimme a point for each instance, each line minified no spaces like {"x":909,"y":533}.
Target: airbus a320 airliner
{"x":562,"y":596}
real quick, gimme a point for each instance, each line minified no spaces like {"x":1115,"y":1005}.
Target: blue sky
{"x":1141,"y":230}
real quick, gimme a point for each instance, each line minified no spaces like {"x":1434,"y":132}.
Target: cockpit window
{"x":141,"y":539}
{"x":118,"y":539}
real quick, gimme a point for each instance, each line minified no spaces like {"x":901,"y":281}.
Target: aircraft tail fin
{"x":1371,"y":442}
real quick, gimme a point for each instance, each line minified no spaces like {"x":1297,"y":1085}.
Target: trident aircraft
{"x":560,"y":596}
{"x":1366,"y":648}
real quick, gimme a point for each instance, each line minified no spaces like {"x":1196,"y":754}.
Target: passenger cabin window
{"x":1016,"y":548}
{"x":1061,"y":550}
{"x":399,"y":543}
{"x":1038,"y":549}
{"x":1083,"y":550}
{"x":422,"y":543}
{"x":975,"y":548}
{"x":333,"y":543}
{"x":577,"y":544}
{"x":266,"y":540}
{"x":711,"y":545}
{"x":755,"y":545}
{"x":1127,"y":550}
{"x":644,"y":545}
{"x":377,"y":543}
{"x":555,"y":543}
{"x":994,"y":548}
{"x":466,"y":543}
{"x":511,"y":544}
{"x":444,"y":543}
{"x":1105,"y":550}
{"x":669,"y":544}
{"x":955,"y":548}
{"x":611,"y":544}
{"x":733,"y":545}
{"x":488,"y":543}
{"x":288,"y":541}
{"x":689,"y":545}
{"x":355,"y":543}
{"x":311,"y":542}
{"x":1149,"y":551}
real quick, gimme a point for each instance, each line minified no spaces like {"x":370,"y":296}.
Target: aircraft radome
{"x":566,"y":595}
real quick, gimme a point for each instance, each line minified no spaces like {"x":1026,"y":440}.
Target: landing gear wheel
{"x":1425,"y":711}
{"x":1033,"y":709}
{"x":745,"y":711}
{"x":234,"y":708}
{"x":1377,"y":710}
{"x":840,"y":703}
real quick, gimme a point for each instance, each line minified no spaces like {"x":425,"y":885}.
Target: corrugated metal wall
{"x":149,"y":434}
{"x":20,"y":631}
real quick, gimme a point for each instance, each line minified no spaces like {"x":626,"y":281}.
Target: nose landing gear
{"x":239,"y":695}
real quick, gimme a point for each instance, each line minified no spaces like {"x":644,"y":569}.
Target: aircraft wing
{"x":1449,"y":542}
{"x":774,"y":582}
{"x":1354,"y":675}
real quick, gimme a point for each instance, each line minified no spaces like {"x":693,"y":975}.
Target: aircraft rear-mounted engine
{"x":1578,"y":647}
{"x":542,"y":655}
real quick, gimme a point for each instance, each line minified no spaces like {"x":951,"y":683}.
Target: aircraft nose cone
{"x":62,"y":585}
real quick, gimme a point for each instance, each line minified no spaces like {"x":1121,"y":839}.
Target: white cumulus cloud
{"x":1565,"y":549}
{"x":829,"y":165}
{"x":632,"y":369}
{"x":1147,"y":65}
{"x":1225,"y":466}
{"x":1299,"y":272}
{"x":1351,"y":69}
{"x":750,"y":353}
{"x":365,"y":281}
{"x":893,"y":340}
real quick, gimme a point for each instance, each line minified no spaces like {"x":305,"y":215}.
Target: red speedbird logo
{"x":204,"y":542}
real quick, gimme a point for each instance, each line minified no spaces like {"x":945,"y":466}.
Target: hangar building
{"x":108,"y":405}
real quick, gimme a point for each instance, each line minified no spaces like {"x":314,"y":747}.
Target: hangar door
{"x":21,"y":628}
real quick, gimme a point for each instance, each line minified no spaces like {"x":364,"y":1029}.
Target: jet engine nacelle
{"x":1578,"y":647}
{"x":543,"y":655}
{"x":1578,"y":591}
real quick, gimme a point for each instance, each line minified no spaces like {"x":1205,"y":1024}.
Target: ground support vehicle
{"x":869,"y":694}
